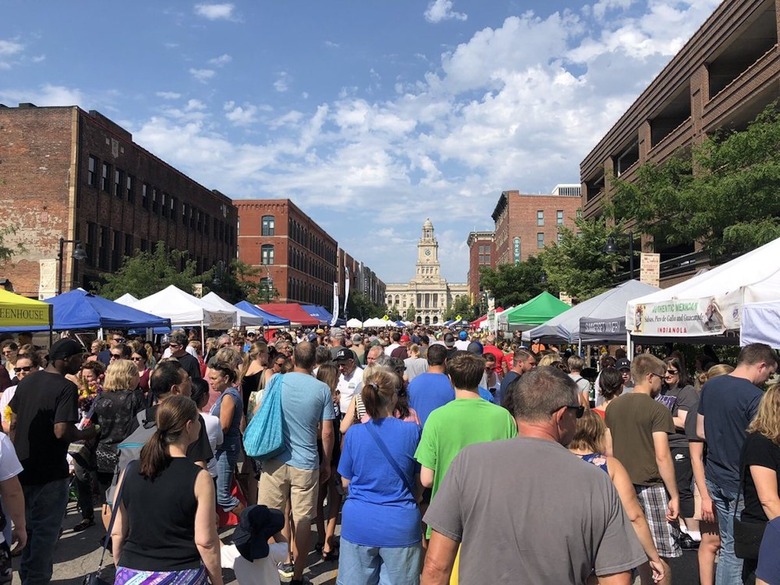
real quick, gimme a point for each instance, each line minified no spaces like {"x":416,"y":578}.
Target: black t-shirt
{"x":190,"y":365}
{"x":674,"y":399}
{"x":42,"y":400}
{"x":760,"y":451}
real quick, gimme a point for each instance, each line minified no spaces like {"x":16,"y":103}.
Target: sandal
{"x":330,"y":555}
{"x":84,"y":524}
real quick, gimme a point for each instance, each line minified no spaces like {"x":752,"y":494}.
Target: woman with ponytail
{"x":380,"y":521}
{"x":165,"y":527}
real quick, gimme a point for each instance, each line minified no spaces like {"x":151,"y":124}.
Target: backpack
{"x":130,"y":448}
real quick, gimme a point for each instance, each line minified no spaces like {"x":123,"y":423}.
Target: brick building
{"x":723,"y":76}
{"x":526,"y":223}
{"x":361,"y":280}
{"x":296,"y":256}
{"x":76,"y":175}
{"x":482,"y":252}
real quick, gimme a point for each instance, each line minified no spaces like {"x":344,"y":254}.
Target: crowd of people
{"x":445,"y":456}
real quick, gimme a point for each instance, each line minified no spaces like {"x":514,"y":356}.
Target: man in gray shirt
{"x":536,"y":532}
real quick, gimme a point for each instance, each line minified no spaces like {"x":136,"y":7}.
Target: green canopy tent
{"x":538,"y":310}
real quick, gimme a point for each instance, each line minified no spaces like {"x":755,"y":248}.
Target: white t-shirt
{"x":462,"y":344}
{"x":389,"y":349}
{"x":257,"y":572}
{"x":9,"y":466}
{"x":189,"y":349}
{"x":5,"y":398}
{"x":348,"y":388}
{"x":214,"y":433}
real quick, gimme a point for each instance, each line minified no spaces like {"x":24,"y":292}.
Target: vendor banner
{"x":684,"y":318}
{"x":592,"y":330}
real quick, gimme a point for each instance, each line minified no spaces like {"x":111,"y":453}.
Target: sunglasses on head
{"x":23,"y":369}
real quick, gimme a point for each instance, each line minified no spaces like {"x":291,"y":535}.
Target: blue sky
{"x":372,"y":115}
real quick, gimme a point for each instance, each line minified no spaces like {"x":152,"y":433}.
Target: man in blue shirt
{"x":726,"y":406}
{"x":432,"y":389}
{"x":295,"y":474}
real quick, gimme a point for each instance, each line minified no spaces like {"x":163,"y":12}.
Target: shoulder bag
{"x":747,"y":535}
{"x":383,"y":448}
{"x":96,"y":578}
{"x":264,"y":435}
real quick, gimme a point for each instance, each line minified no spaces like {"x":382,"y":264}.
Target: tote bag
{"x":264,"y":436}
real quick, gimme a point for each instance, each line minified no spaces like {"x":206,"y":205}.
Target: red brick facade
{"x":482,"y":252}
{"x":534,"y":219}
{"x":77,"y":175}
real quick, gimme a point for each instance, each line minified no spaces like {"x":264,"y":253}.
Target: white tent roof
{"x":185,"y":310}
{"x":355,"y":323}
{"x":126,"y":299}
{"x":377,"y":322}
{"x":241,"y":317}
{"x":565,"y":328}
{"x":710,"y":303}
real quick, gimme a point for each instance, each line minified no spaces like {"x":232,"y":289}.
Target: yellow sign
{"x":458,"y":317}
{"x":19,"y":311}
{"x":385,"y":318}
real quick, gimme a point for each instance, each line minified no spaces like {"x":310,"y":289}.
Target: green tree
{"x":236,"y":281}
{"x":463,"y":307}
{"x":410,"y":314}
{"x":146,"y":273}
{"x":577,"y":264}
{"x":393,"y":313}
{"x":360,"y":306}
{"x":722,"y":193}
{"x":512,"y":284}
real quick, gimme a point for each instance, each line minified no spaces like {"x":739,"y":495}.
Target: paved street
{"x":78,"y":554}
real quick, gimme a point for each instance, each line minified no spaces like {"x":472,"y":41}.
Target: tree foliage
{"x":410,"y":314}
{"x":146,"y":273}
{"x":722,"y":193}
{"x":360,"y":306}
{"x":238,"y":281}
{"x":462,"y":306}
{"x":578,"y":265}
{"x":513,"y":284}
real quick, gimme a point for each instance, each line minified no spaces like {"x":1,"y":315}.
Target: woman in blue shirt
{"x":229,"y":408}
{"x":380,"y":521}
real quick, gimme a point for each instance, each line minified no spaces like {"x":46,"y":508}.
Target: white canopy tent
{"x":241,"y":317}
{"x":709,"y":307}
{"x":377,"y":322}
{"x":355,"y":323}
{"x":185,"y":310}
{"x":126,"y":299}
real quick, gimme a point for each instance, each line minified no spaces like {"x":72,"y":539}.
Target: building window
{"x":266,"y":254}
{"x":164,"y":204}
{"x":579,"y":214}
{"x":92,"y":171}
{"x":172,"y":213}
{"x":104,"y":248}
{"x":560,"y":237}
{"x":105,"y":178}
{"x":559,"y":217}
{"x":540,"y":240}
{"x":130,"y":189}
{"x":145,"y":196}
{"x":269,"y":225}
{"x":540,"y":217}
{"x":117,"y":183}
{"x":184,"y":210}
{"x":155,"y":203}
{"x":116,"y":251}
{"x":129,"y":245}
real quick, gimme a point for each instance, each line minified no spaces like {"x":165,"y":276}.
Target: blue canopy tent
{"x":269,"y":320}
{"x":321,"y":313}
{"x":79,"y":310}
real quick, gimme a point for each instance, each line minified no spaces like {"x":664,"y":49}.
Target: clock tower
{"x":427,"y":254}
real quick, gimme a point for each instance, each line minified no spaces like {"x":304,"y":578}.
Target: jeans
{"x":729,"y":570}
{"x":85,"y":502}
{"x":372,"y":565}
{"x":45,"y":506}
{"x":226,"y":464}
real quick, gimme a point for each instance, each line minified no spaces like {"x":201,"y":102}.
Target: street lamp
{"x":79,"y":253}
{"x":611,"y":247}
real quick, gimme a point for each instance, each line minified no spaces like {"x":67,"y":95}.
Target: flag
{"x":335,"y":304}
{"x":346,"y":288}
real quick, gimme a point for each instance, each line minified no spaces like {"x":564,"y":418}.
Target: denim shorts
{"x":377,"y":565}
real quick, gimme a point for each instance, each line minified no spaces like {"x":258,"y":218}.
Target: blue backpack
{"x":264,"y":436}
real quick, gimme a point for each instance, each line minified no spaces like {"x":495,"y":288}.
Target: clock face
{"x":428,"y":252}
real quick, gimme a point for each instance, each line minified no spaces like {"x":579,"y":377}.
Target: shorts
{"x":654,"y":501}
{"x":280,"y":483}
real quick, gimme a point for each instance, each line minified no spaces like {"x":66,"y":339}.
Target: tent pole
{"x":202,"y":334}
{"x":100,"y":334}
{"x":51,"y":325}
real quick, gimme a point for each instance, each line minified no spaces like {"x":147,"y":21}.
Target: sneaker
{"x":285,"y":569}
{"x":687,"y":543}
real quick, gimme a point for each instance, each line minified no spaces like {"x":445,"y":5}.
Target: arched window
{"x":267,"y":254}
{"x":269,"y":225}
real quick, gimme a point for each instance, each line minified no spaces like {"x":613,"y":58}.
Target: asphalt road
{"x":79,"y":553}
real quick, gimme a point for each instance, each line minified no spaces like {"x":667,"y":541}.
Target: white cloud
{"x":202,"y":75}
{"x":282,"y":83}
{"x":332,"y":45}
{"x":9,"y":50}
{"x":216,"y":11}
{"x":220,"y":61}
{"x":439,"y":10}
{"x":46,"y":95}
{"x":244,"y":115}
{"x":168,"y":95}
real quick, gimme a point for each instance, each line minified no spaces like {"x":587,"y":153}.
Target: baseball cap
{"x":475,"y":347}
{"x":344,"y":354}
{"x":449,"y":340}
{"x":463,"y":335}
{"x":357,"y":338}
{"x":256,"y":525}
{"x":65,"y":348}
{"x":623,"y":364}
{"x":336,"y":333}
{"x":405,"y":339}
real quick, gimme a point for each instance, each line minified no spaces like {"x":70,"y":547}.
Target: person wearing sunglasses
{"x":475,"y":506}
{"x":24,"y":366}
{"x":680,"y":397}
{"x":640,"y":427}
